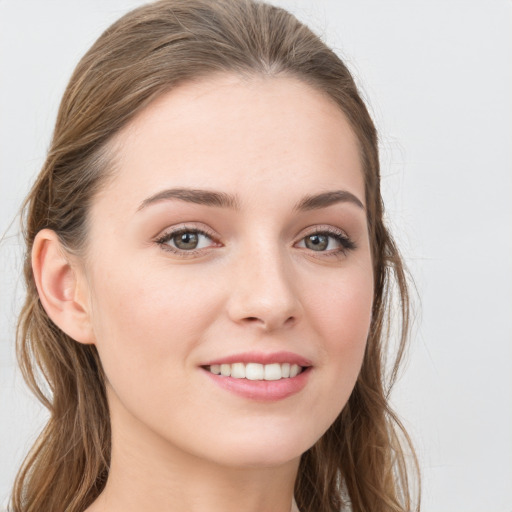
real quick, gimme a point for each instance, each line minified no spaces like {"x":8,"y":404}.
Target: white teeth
{"x":294,"y":370}
{"x":272,"y":371}
{"x":238,"y":371}
{"x":256,"y":371}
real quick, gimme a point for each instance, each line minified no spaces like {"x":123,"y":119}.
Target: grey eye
{"x":186,"y":240}
{"x":317,"y":242}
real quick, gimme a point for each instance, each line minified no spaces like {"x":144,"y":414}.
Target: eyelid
{"x":347,"y":244}
{"x":322,"y":228}
{"x":172,"y":231}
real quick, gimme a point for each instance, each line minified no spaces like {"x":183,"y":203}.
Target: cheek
{"x":137,"y":296}
{"x":150,"y":320}
{"x":341,"y":314}
{"x":147,"y":327}
{"x":342,"y":309}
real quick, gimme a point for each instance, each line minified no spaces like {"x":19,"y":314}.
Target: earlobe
{"x":60,"y":288}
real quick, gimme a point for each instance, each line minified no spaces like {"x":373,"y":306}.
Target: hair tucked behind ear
{"x":360,"y":463}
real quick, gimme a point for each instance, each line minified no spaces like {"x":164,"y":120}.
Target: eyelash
{"x":345,"y":242}
{"x":166,"y":237}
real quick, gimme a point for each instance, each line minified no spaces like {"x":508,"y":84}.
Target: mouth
{"x":257,"y":371}
{"x":259,"y":376}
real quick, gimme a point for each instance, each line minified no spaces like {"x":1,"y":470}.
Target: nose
{"x":262,"y":291}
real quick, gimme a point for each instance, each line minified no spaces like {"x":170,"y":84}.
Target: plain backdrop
{"x":437,"y":76}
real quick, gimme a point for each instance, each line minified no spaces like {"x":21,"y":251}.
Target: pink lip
{"x":262,"y":390}
{"x":262,"y":358}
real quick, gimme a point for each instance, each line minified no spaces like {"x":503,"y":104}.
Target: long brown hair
{"x":360,"y":463}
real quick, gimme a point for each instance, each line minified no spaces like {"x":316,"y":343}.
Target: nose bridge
{"x":263,"y":290}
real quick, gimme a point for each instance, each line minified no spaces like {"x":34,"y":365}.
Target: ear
{"x":61,"y":286}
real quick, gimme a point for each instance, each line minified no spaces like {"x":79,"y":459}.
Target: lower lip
{"x":262,"y":390}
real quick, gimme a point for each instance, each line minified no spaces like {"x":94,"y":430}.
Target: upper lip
{"x":262,"y":358}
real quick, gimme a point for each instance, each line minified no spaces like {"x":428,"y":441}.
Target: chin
{"x":263,"y":451}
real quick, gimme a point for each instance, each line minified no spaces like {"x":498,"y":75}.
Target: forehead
{"x":275,"y":135}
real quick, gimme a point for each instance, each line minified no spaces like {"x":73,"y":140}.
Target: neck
{"x":135,"y":485}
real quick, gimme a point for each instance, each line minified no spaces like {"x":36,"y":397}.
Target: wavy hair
{"x":361,"y":463}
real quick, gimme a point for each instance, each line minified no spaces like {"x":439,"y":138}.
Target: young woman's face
{"x":233,"y":238}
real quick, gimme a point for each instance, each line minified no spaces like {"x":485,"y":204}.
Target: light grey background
{"x":437,"y":76}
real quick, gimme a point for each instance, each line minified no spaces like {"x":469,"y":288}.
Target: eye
{"x":329,"y":241}
{"x":185,"y":240}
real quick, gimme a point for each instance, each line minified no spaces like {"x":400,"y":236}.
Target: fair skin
{"x":262,"y":281}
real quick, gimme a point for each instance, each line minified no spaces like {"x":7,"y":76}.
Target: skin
{"x":181,"y":442}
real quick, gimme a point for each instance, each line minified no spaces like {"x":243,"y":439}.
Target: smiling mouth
{"x":256,"y":371}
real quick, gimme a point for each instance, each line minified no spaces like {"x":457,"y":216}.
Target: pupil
{"x":187,"y":241}
{"x":316,"y":242}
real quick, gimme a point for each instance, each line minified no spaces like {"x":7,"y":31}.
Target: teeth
{"x":272,"y":371}
{"x":256,"y":371}
{"x":238,"y":371}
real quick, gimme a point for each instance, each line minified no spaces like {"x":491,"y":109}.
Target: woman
{"x":208,"y":276}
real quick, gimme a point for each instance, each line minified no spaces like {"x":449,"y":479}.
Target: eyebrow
{"x":324,"y":199}
{"x":224,"y":200}
{"x":191,"y":195}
